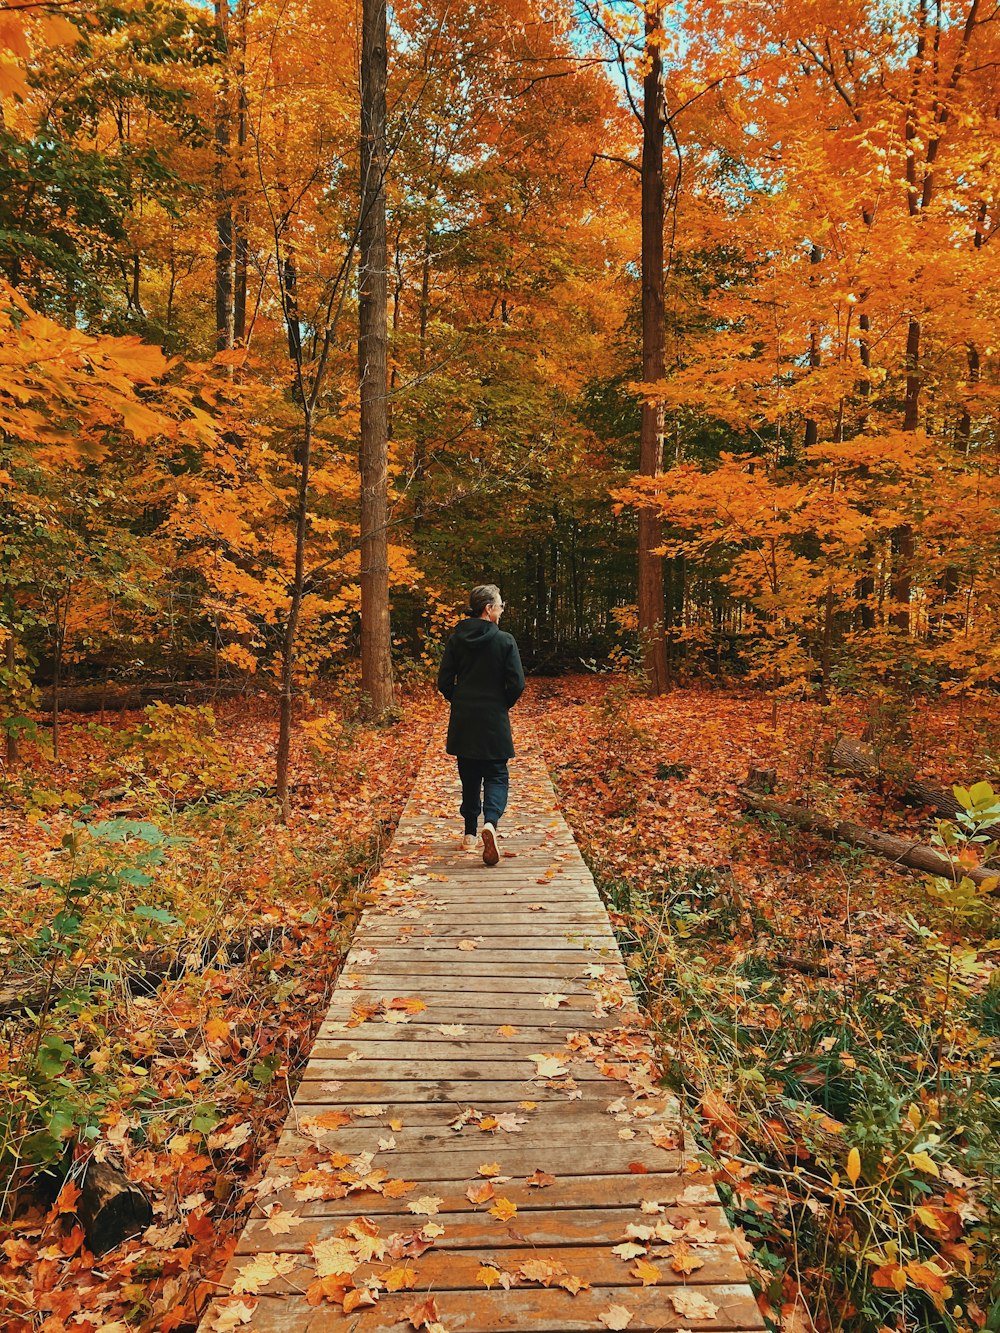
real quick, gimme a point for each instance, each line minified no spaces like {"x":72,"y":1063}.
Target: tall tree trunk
{"x":373,"y":357}
{"x":10,"y":662}
{"x":304,"y":461}
{"x":223,"y":203}
{"x":812,"y":426}
{"x":902,"y":537}
{"x":241,"y":224}
{"x":650,"y":570}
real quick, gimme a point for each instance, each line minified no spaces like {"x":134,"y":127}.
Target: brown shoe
{"x":490,"y":854}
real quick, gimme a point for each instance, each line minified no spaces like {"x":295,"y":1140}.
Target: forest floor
{"x":828,"y":1017}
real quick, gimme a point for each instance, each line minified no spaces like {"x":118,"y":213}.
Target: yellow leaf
{"x":922,"y":1161}
{"x":853,"y":1166}
{"x":503,"y":1209}
{"x":488,"y":1275}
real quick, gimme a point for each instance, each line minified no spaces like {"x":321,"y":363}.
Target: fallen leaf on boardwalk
{"x":505,"y":1030}
{"x":548,"y":1066}
{"x":489,"y":1123}
{"x":488,"y":1276}
{"x":536,"y":907}
{"x":354,"y":1300}
{"x":511,"y":1123}
{"x":639,"y":1231}
{"x":330,"y":1119}
{"x":397,"y":1016}
{"x":261,"y":1270}
{"x":539,"y":1179}
{"x":553,"y":1001}
{"x":628,"y":1250}
{"x":503,"y":1209}
{"x":327,"y":1289}
{"x":466,"y":945}
{"x":540,"y":1270}
{"x":527,"y":1106}
{"x":626,"y":1134}
{"x":647,"y":1273}
{"x":367,"y":1111}
{"x":616,"y":1316}
{"x":280,"y":1223}
{"x":651,"y":1206}
{"x":480,"y":1193}
{"x":400,"y":1279}
{"x":663,"y":1138}
{"x":386,"y":1145}
{"x":395,"y":1189}
{"x":432,"y":1230}
{"x":228,"y":1317}
{"x":490,"y":1169}
{"x":451,"y":1029}
{"x":409,"y":1004}
{"x":334,"y":1257}
{"x":428,"y":1205}
{"x":419,"y":1316}
{"x":573,"y":1284}
{"x":692,"y":1305}
{"x":684,"y":1260}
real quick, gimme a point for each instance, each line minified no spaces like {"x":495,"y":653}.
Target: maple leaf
{"x":503,"y":1209}
{"x":540,"y":1270}
{"x":428,"y":1205}
{"x":480,"y":1193}
{"x":334,"y":1257}
{"x":423,"y":1314}
{"x":451,"y":1029}
{"x":573,"y":1284}
{"x":489,"y":1169}
{"x":548,"y":1066}
{"x":488,"y":1275}
{"x":216,"y":1030}
{"x":615,"y":1316}
{"x":539,"y":1179}
{"x":466,"y":945}
{"x":553,"y":1000}
{"x":369,"y":1112}
{"x":647,"y":1273}
{"x":691,"y":1304}
{"x":279,"y":1223}
{"x":400,"y":1279}
{"x":628,"y":1250}
{"x":408,"y":1004}
{"x":228,"y":1316}
{"x":505,"y":1030}
{"x":684,"y":1260}
{"x":261,"y":1270}
{"x":360,"y":1296}
{"x":395,"y":1189}
{"x":510,"y":1122}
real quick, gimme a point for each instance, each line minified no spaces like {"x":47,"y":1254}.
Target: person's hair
{"x":487,"y":594}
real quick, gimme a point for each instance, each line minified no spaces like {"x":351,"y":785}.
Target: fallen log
{"x":851,"y":756}
{"x":903,"y":851}
{"x":111,"y":1208}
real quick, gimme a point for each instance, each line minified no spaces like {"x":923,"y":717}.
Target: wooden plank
{"x":470,"y":1230}
{"x":542,"y":1310}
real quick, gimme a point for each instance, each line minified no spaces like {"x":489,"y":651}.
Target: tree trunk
{"x":10,"y":655}
{"x":901,"y":850}
{"x":242,"y":220}
{"x":292,"y":623}
{"x":812,"y":426}
{"x":373,"y":356}
{"x":223,"y":203}
{"x":111,"y":1208}
{"x":57,"y":675}
{"x":650,"y":565}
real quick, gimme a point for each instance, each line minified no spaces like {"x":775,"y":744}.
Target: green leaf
{"x":158,"y":914}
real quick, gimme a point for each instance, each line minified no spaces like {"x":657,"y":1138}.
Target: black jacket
{"x":481,"y":677}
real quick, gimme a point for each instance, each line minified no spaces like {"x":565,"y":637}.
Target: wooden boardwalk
{"x":479,"y":1141}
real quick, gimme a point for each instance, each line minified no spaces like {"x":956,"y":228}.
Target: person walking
{"x":482,"y":678}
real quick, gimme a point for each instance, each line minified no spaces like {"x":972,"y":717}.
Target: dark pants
{"x":488,"y":776}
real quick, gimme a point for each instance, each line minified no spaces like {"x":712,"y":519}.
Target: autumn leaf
{"x":428,"y":1205}
{"x":647,"y":1273}
{"x":488,"y":1276}
{"x":261,"y":1270}
{"x":615,"y":1316}
{"x":684,"y":1260}
{"x":466,"y":945}
{"x":553,"y":1000}
{"x":549,"y":1066}
{"x":408,"y":1004}
{"x":539,"y":1179}
{"x":229,"y":1315}
{"x":480,"y":1193}
{"x":503,"y":1209}
{"x":216,"y":1030}
{"x":853,"y":1167}
{"x":400,"y":1279}
{"x":505,"y":1030}
{"x":690,"y":1304}
{"x":395,"y":1189}
{"x":489,"y":1169}
{"x":922,"y":1161}
{"x":423,"y":1314}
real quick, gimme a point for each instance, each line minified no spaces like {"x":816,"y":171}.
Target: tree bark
{"x":650,"y":566}
{"x":373,"y":356}
{"x":111,"y":1208}
{"x":223,"y":203}
{"x":901,"y":850}
{"x":292,"y":623}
